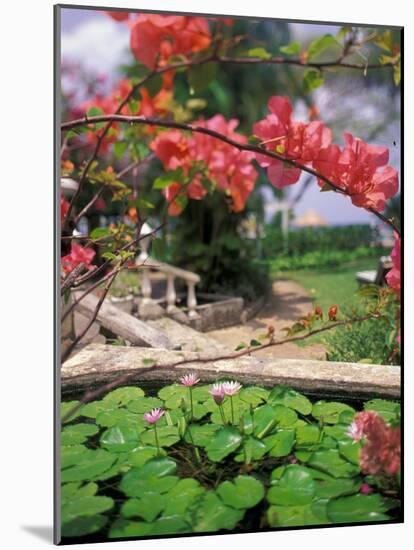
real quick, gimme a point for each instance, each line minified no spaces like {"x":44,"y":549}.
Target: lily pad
{"x":245,"y":492}
{"x":224,"y":441}
{"x":120,"y":439}
{"x":120,"y":417}
{"x":201,"y":435}
{"x":281,"y":395}
{"x":167,"y":436}
{"x":296,"y":487}
{"x":122,"y":396}
{"x":213,"y":515}
{"x":182,"y":495}
{"x":389,"y":410}
{"x":251,"y":449}
{"x":254,"y":395}
{"x":147,"y":508}
{"x":331,"y":462}
{"x":357,"y":508}
{"x":85,"y":506}
{"x":143,"y":405}
{"x":329,"y":411}
{"x":125,"y":528}
{"x":90,"y":464}
{"x":81,"y":526}
{"x":281,"y":443}
{"x":334,"y":488}
{"x":72,"y":435}
{"x":291,"y":516}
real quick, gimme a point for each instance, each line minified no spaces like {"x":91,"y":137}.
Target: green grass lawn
{"x":330,"y":286}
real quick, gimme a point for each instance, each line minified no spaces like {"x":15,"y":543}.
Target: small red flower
{"x":333,"y":312}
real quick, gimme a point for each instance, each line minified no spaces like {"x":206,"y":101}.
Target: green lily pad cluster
{"x":282,"y":461}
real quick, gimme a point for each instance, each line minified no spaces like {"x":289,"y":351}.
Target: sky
{"x":100,"y":45}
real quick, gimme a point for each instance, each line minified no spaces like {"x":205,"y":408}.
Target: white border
{"x":27,"y":273}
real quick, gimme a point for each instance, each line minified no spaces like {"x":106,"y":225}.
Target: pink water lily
{"x":231,"y":388}
{"x":189,"y":379}
{"x":217,"y":392}
{"x":355,"y":432}
{"x":153,"y":416}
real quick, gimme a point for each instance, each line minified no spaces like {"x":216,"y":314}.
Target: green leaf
{"x":85,"y":506}
{"x":142,"y":405}
{"x":122,"y":396}
{"x":140,"y":455}
{"x":251,"y":449}
{"x":295,"y":487}
{"x":224,"y":441}
{"x":312,"y":79}
{"x":397,"y":73}
{"x":291,"y":49}
{"x":89,"y":464}
{"x":167,"y":436}
{"x":148,"y":362}
{"x":389,"y":410}
{"x":357,"y":508}
{"x":240,"y":346}
{"x":255,"y":343}
{"x":119,"y":148}
{"x":200,"y":77}
{"x":333,"y":488}
{"x":120,"y":439}
{"x":134,"y":106}
{"x":253,"y":395}
{"x":165,"y":180}
{"x":154,"y":84}
{"x":83,"y":526}
{"x":307,"y":436}
{"x":100,"y":232}
{"x":291,"y":516}
{"x":329,"y":411}
{"x":330,"y":462}
{"x":384,"y":41}
{"x":66,"y":406}
{"x":121,"y":417}
{"x":259,"y":52}
{"x":244,"y":492}
{"x":78,"y":433}
{"x":281,"y":395}
{"x":148,"y":508}
{"x":318,"y":46}
{"x":201,"y":435}
{"x":213,"y":515}
{"x":281,"y":443}
{"x":267,"y":418}
{"x":125,"y":528}
{"x":182,"y":496}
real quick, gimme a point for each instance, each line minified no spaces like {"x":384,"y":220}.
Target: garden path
{"x":287,"y":302}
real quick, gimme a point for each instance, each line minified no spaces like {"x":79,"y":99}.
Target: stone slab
{"x":97,"y":363}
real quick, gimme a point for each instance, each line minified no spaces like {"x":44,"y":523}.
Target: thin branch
{"x":72,"y":346}
{"x":89,"y":205}
{"x":95,"y":394}
{"x":70,"y":279}
{"x":140,"y":119}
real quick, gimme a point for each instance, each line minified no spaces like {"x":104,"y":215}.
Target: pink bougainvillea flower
{"x":381,"y":449}
{"x":227,"y":168}
{"x":153,"y":416}
{"x":189,"y":380}
{"x":293,"y":140}
{"x":118,"y":15}
{"x":394,"y":275}
{"x":231,"y":388}
{"x":217,"y":392}
{"x":78,"y":254}
{"x":155,"y":38}
{"x":360,"y":170}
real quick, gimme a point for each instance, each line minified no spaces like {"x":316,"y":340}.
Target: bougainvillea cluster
{"x":359,"y":169}
{"x":78,"y":254}
{"x":381,"y":448}
{"x":394,"y":275}
{"x":227,"y":168}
